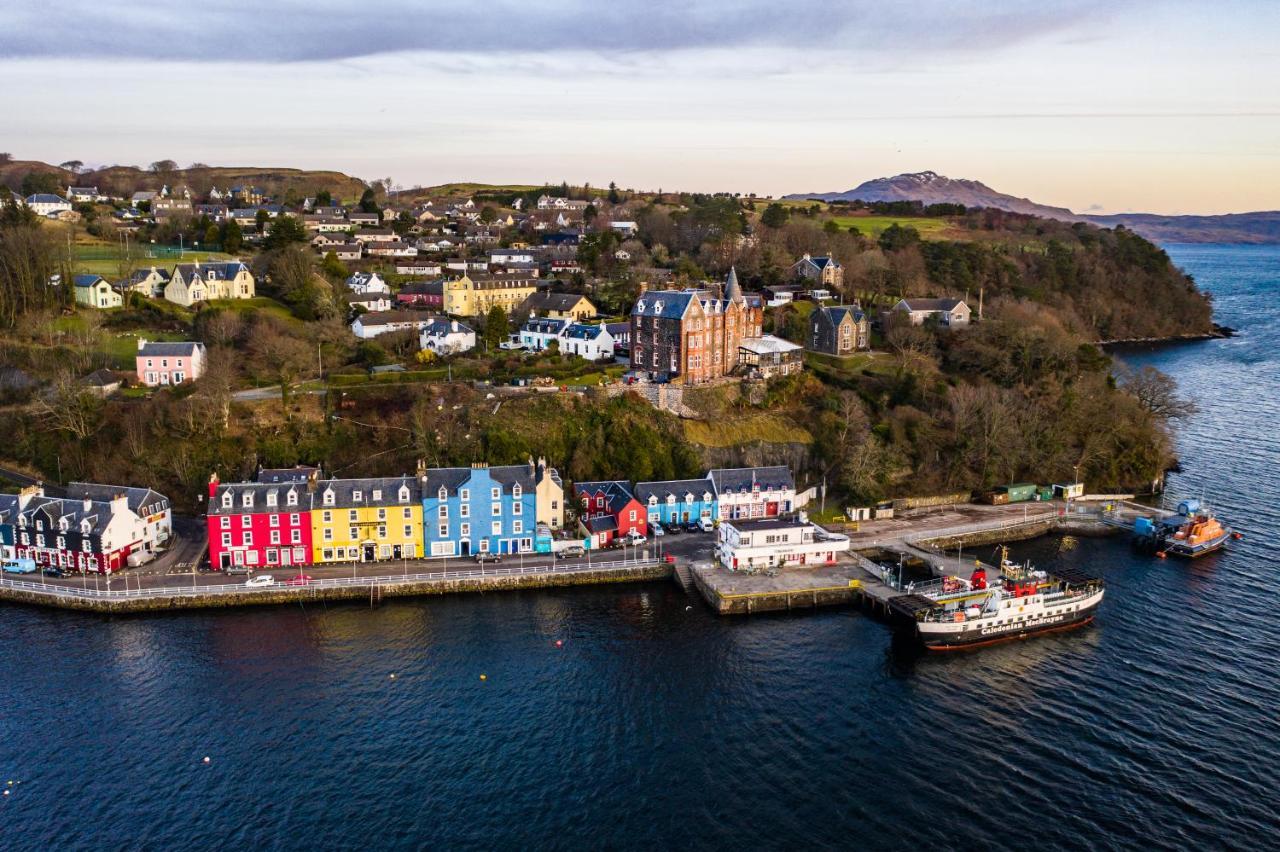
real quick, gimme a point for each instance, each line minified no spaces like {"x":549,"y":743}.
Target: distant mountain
{"x":933,"y":188}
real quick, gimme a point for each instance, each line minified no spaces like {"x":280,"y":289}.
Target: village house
{"x":369,"y":301}
{"x":366,"y":520}
{"x":376,"y":235}
{"x":47,"y":204}
{"x":778,"y":295}
{"x":948,"y":313}
{"x":592,"y":342}
{"x":570,"y":306}
{"x":410,"y":266}
{"x":150,"y":506}
{"x":80,"y":532}
{"x":621,"y":334}
{"x":754,"y":492}
{"x":259,"y":525}
{"x":682,"y":501}
{"x":447,"y":337}
{"x":166,"y":208}
{"x":361,"y":219}
{"x":367,"y":282}
{"x":347,"y":251}
{"x":742,"y":545}
{"x":84,"y":194}
{"x":823,"y":270}
{"x":325,"y":224}
{"x":370,"y":325}
{"x":394,"y":248}
{"x":608,"y":510}
{"x":838,"y":330}
{"x":768,"y":357}
{"x":215,"y":212}
{"x":101,"y":383}
{"x":691,"y":335}
{"x":505,"y":256}
{"x":196,"y":282}
{"x":538,"y":333}
{"x":93,"y":291}
{"x":474,"y":295}
{"x":162,"y":363}
{"x":422,"y":294}
{"x":483,"y":509}
{"x":145,"y":282}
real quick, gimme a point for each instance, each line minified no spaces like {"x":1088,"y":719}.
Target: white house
{"x":593,"y":342}
{"x":372,"y":324}
{"x":627,"y":229}
{"x":754,"y":492}
{"x":367,"y":282}
{"x":951,"y":313}
{"x":447,"y":337}
{"x":776,"y":543}
{"x":370,"y":301}
{"x":503,"y":256}
{"x":47,"y":204}
{"x":540,"y":332}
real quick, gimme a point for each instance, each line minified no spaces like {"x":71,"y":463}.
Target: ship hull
{"x":947,"y":637}
{"x":1191,"y":551}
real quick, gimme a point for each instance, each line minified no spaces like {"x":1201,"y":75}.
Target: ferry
{"x":955,"y":613}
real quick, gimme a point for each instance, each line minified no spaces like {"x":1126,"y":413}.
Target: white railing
{"x":58,"y":590}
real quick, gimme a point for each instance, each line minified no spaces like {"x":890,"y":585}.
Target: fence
{"x":68,"y":591}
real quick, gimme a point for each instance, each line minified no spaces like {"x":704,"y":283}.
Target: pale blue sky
{"x":1161,"y":105}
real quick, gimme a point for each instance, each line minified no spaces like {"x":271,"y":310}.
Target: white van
{"x":706,"y":525}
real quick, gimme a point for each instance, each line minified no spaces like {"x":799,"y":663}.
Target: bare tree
{"x":1156,"y":392}
{"x":68,"y":406}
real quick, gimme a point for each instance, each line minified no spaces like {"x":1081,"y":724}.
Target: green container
{"x":1020,"y":492}
{"x":1046,"y":493}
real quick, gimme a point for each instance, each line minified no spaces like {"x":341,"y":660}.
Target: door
{"x":224,"y":561}
{"x":368,"y":552}
{"x":466,"y":547}
{"x":771,"y":509}
{"x":396,"y":552}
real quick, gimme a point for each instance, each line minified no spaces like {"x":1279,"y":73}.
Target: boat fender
{"x":1161,"y":554}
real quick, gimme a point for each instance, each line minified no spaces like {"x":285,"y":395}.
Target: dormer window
{"x":377,"y":495}
{"x":444,"y":493}
{"x":246,"y":500}
{"x":516,"y":491}
{"x":404,"y":494}
{"x":356,"y":496}
{"x":62,"y":524}
{"x":39,"y":525}
{"x":653,"y":499}
{"x":272,"y":498}
{"x":292,"y":498}
{"x":328,"y":498}
{"x":85,"y":527}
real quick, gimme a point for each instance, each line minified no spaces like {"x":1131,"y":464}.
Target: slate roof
{"x":728,"y":480}
{"x":932,"y":304}
{"x":454,"y":478}
{"x":344,"y":491}
{"x":544,"y":325}
{"x":46,"y":198}
{"x":544,"y":302}
{"x":87,"y":280}
{"x":667,"y":304}
{"x":297,"y":473}
{"x":601,"y":523}
{"x":260,"y":491}
{"x":223,"y":271}
{"x":423,"y":288}
{"x":617,"y":494}
{"x":163,"y":349}
{"x":836,"y":313}
{"x":674,"y":487}
{"x":442,"y":326}
{"x":583,"y":331}
{"x":139,"y":499}
{"x":101,"y":379}
{"x":141,"y":275}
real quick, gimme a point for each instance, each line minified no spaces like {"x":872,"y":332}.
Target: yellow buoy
{"x":484,"y":677}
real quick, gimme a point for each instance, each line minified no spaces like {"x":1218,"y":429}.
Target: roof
{"x":140,"y":275}
{"x":393,"y":317}
{"x":138,"y":498}
{"x":677,"y":488}
{"x":223,"y":270}
{"x":441,"y":326}
{"x":544,"y":325}
{"x":837,"y":313}
{"x":423,"y":288}
{"x":822,"y":261}
{"x":732,"y":289}
{"x":768,"y":345}
{"x":297,"y":473}
{"x":46,"y":198}
{"x":344,"y":491}
{"x":507,"y":476}
{"x":153,"y":349}
{"x":378,"y":296}
{"x":88,"y":280}
{"x":744,"y":478}
{"x":617,"y":493}
{"x":101,"y":379}
{"x":764,"y":524}
{"x":583,"y":331}
{"x":668,"y":304}
{"x":546,"y":301}
{"x":933,"y":304}
{"x":601,"y":523}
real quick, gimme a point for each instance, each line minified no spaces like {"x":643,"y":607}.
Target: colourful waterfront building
{"x":680,"y":501}
{"x":366,"y":520}
{"x":259,"y":525}
{"x":483,"y":509}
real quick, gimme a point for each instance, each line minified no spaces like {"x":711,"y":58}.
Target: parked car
{"x":673,"y":528}
{"x":54,"y":571}
{"x":260,"y":581}
{"x":233,"y":570}
{"x":487,"y":557}
{"x":635,"y":539}
{"x":693,"y":526}
{"x":657,"y":530}
{"x":706,"y":525}
{"x":300,"y":580}
{"x":20,"y":566}
{"x":571,"y":552}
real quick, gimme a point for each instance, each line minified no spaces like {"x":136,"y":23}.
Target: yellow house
{"x":472,"y":296}
{"x":550,"y":496}
{"x":366,"y":520}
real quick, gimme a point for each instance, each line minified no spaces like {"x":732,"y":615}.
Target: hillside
{"x":933,"y":188}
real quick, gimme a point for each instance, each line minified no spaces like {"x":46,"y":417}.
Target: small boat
{"x":1199,"y":534}
{"x":954,"y":613}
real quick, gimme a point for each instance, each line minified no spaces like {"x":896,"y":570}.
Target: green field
{"x":105,"y":260}
{"x":872,"y":226}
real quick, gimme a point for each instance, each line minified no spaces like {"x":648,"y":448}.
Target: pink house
{"x":162,"y":363}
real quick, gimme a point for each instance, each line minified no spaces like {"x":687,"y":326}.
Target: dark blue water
{"x":659,"y":726}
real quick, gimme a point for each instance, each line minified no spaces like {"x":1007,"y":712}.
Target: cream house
{"x":197,"y":282}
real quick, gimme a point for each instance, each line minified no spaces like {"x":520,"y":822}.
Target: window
{"x":404,"y":495}
{"x":328,"y":516}
{"x":408,"y":513}
{"x":633,"y":514}
{"x":246,"y":539}
{"x":496,"y":494}
{"x":382,"y":532}
{"x":226,"y":539}
{"x":352,"y":516}
{"x":517,"y":527}
{"x":408,"y":532}
{"x":328,"y":534}
{"x":295,"y":519}
{"x":271,"y":557}
{"x":356,"y":496}
{"x":246,"y":521}
{"x":292,"y":499}
{"x":382,"y":514}
{"x":464,"y":511}
{"x":328,"y":498}
{"x":226,"y":500}
{"x":465,"y":495}
{"x":354,"y":534}
{"x":377,"y":495}
{"x":295,"y":537}
{"x":516,"y":490}
{"x":328,"y":553}
{"x":275,"y":520}
{"x":246,"y":499}
{"x":497,"y":509}
{"x":442,"y":512}
{"x":444,"y":530}
{"x":226,"y":522}
{"x":496,"y":529}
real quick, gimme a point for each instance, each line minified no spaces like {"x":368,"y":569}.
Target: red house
{"x":424,"y":294}
{"x":608,"y":510}
{"x":260,"y":525}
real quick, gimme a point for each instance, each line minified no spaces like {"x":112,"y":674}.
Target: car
{"x":657,"y":530}
{"x":299,"y":580}
{"x":232,"y":570}
{"x":706,"y":525}
{"x":673,"y":528}
{"x":693,"y":526}
{"x":635,"y":539}
{"x":572,"y":551}
{"x":20,"y":566}
{"x":54,"y":571}
{"x":487,"y":557}
{"x":260,"y":581}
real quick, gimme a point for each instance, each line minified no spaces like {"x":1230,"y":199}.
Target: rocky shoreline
{"x":1219,"y":332}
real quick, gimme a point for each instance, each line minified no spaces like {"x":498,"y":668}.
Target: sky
{"x":1166,"y":106}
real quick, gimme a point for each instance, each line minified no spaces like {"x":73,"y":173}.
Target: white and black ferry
{"x":956,"y":613}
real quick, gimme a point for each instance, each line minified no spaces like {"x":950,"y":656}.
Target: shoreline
{"x":1220,"y":332}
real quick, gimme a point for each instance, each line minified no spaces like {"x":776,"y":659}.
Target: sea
{"x":630,"y":717}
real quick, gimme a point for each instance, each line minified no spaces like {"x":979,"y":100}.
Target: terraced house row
{"x":295,"y":517}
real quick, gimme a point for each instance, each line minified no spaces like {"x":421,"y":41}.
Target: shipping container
{"x":1019,"y":492}
{"x":1045,"y":493}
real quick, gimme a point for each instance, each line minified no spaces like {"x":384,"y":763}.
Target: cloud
{"x":320,"y":30}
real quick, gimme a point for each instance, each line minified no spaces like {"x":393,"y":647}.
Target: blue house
{"x":481,"y":509}
{"x":678,"y":501}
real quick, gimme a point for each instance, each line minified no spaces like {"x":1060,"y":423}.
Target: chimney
{"x":142,"y":341}
{"x":213,"y":484}
{"x":88,"y":504}
{"x":422,"y":469}
{"x":532,"y":469}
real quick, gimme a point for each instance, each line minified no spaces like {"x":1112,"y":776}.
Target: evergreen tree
{"x":495,"y":327}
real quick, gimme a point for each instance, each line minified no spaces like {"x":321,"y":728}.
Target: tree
{"x":332,"y":267}
{"x":278,"y":356}
{"x":589,"y":213}
{"x":896,"y":237}
{"x":285,"y":230}
{"x":28,"y":261}
{"x":34,"y":183}
{"x":211,"y":235}
{"x":232,"y":236}
{"x":831,"y":226}
{"x":495,"y":327}
{"x":5,"y":158}
{"x":774,"y":216}
{"x":488,"y":215}
{"x":324,"y":198}
{"x":164,"y":166}
{"x":260,"y":220}
{"x":73,"y":166}
{"x":70,"y":407}
{"x":614,"y":196}
{"x":369,"y":201}
{"x":1157,"y":393}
